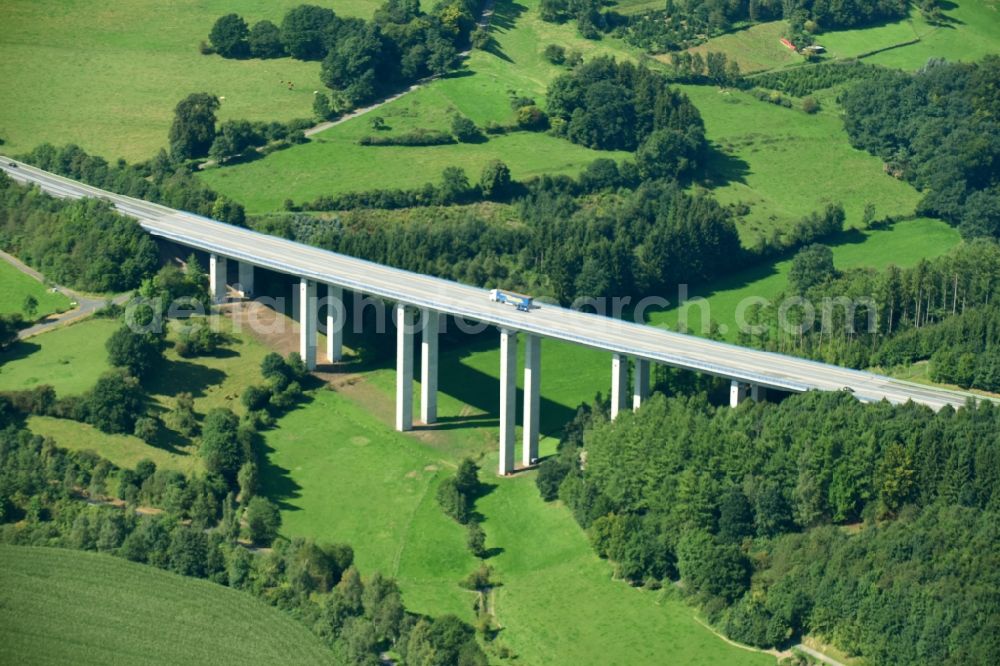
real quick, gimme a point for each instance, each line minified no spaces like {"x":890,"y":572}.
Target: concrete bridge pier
{"x":640,"y":379}
{"x":532,"y":380}
{"x":335,"y":322}
{"x":245,"y":284}
{"x":508,"y":398}
{"x":217,"y":277}
{"x":429,"y":365}
{"x":619,"y":384}
{"x":404,"y":368}
{"x":740,"y":391}
{"x":308,"y":323}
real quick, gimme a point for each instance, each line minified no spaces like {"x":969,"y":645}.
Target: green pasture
{"x":15,"y":287}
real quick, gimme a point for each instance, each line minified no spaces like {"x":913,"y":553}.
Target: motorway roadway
{"x":766,"y":369}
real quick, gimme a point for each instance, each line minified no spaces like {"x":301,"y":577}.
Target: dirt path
{"x":84,"y":305}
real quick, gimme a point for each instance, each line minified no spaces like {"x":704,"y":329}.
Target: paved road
{"x":658,"y":345}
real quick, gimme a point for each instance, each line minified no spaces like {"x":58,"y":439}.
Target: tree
{"x":467,"y":478}
{"x":115,"y":402}
{"x":476,"y":539}
{"x":181,"y":418}
{"x":321,"y":106}
{"x":555,"y":54}
{"x":220,"y":446}
{"x":304,"y":30}
{"x":10,"y":324}
{"x":193,"y":128}
{"x":146,"y":429}
{"x":667,"y":154}
{"x":247,"y":479}
{"x":811,"y":266}
{"x":452,"y":501}
{"x":137,"y":352}
{"x":495,"y":181}
{"x":30,"y":306}
{"x":229,"y":36}
{"x":265,"y":40}
{"x":454,"y":185}
{"x":263,"y":520}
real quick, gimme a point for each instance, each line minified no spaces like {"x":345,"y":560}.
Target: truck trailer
{"x":519,"y":301}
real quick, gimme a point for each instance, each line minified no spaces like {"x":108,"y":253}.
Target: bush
{"x":452,"y":501}
{"x":530,"y":117}
{"x":555,"y":54}
{"x":465,"y":130}
{"x":810,"y":105}
{"x":495,"y":181}
{"x":418,"y":137}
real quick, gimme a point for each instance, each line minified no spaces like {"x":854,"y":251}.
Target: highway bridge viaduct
{"x":420,"y":301}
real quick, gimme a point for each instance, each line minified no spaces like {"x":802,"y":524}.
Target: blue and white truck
{"x":519,"y":301}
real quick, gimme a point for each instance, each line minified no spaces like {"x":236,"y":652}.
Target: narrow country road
{"x":84,"y":305}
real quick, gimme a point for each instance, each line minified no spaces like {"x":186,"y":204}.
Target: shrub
{"x":555,"y":54}
{"x":465,"y":130}
{"x":263,"y":520}
{"x":418,"y":137}
{"x":810,"y":105}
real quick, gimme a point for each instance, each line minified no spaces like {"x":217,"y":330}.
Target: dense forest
{"x":618,"y":106}
{"x":864,"y":317}
{"x":873,"y":526}
{"x":52,"y":497}
{"x":938,"y":128}
{"x":82,"y":244}
{"x":360,"y":59}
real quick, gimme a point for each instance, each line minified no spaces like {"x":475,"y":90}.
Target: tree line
{"x":749,"y":509}
{"x":864,"y":317}
{"x":53,"y":497}
{"x":360,"y":59}
{"x":164,"y":179}
{"x":939,"y":129}
{"x":682,"y":24}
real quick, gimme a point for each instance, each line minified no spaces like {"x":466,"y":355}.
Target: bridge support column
{"x":296,"y":303}
{"x":640,"y":389}
{"x":308,"y":323}
{"x":758,"y":393}
{"x":738,"y":393}
{"x":619,"y":381}
{"x":335,"y":322}
{"x":532,"y":377}
{"x":429,"y":366}
{"x":217,"y":278}
{"x":404,"y":368}
{"x":508,"y":398}
{"x":246,"y":279}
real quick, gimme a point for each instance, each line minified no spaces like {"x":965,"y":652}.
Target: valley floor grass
{"x":69,"y":358}
{"x":15,"y":287}
{"x":64,"y":606}
{"x":757,"y":48}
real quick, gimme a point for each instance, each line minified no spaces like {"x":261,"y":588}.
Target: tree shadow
{"x":276,"y":482}
{"x":175,"y":377}
{"x":722,"y":168}
{"x":17,"y":351}
{"x":505,"y":14}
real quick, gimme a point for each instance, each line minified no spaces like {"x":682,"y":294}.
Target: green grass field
{"x":15,"y":286}
{"x":64,"y":606}
{"x":69,"y":358}
{"x":108,"y":77}
{"x":756,"y":48}
{"x":784,"y":163}
{"x":971,"y":31}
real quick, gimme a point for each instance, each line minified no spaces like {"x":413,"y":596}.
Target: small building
{"x":814,"y":49}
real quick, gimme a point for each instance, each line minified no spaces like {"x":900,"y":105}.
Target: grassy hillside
{"x":784,"y":163}
{"x":15,"y":286}
{"x":334,"y":162}
{"x":69,"y":358}
{"x":755,"y":48}
{"x":108,"y":77}
{"x":63,"y":606}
